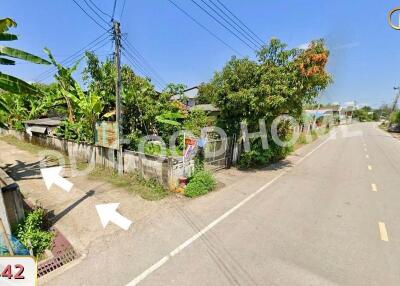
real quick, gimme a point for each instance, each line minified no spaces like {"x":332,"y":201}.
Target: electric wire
{"x":94,"y":45}
{"x":98,"y":9}
{"x":142,"y":70}
{"x":94,"y":42}
{"x":122,"y":10}
{"x":249,"y":35}
{"x":143,"y":59}
{"x":87,"y":14}
{"x":95,"y":12}
{"x":222,"y":24}
{"x":204,"y":27}
{"x":113,"y":12}
{"x":244,"y":35}
{"x":240,"y":21}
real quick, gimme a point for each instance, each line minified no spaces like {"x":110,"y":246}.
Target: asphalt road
{"x":327,"y":216}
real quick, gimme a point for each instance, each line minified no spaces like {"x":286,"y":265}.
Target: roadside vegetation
{"x":280,"y":81}
{"x":33,"y":233}
{"x":148,"y":189}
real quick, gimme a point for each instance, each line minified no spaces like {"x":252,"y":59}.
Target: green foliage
{"x":259,"y":157}
{"x":77,"y":131}
{"x":84,"y":108}
{"x":8,"y":82}
{"x":32,"y":234}
{"x":364,"y":114}
{"x":280,"y":81}
{"x":200,"y":184}
{"x":195,"y":121}
{"x":26,"y":106}
{"x":395,"y":117}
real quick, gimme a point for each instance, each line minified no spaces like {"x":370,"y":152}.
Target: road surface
{"x":328,"y":215}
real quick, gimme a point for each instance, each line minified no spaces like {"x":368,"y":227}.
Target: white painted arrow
{"x":52,"y":176}
{"x":108,"y":212}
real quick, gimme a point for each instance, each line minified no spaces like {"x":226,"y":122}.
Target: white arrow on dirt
{"x":52,"y":176}
{"x":108,"y":212}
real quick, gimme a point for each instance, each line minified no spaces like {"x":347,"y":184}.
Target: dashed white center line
{"x":367,"y":156}
{"x":374,"y":187}
{"x":383,"y":231}
{"x":365,"y":149}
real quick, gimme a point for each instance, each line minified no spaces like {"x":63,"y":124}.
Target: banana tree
{"x":8,"y":82}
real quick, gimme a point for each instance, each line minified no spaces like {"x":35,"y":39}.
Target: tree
{"x":8,"y":82}
{"x":84,"y":108}
{"x":281,"y":81}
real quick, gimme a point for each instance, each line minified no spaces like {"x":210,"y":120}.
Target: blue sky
{"x":365,"y":51}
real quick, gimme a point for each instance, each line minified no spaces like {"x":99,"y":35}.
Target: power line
{"x":122,"y":10}
{"x":94,"y":11}
{"x":92,"y":45}
{"x":140,"y":70}
{"x":101,"y":11}
{"x":113,"y":12}
{"x":73,"y":60}
{"x":134,"y":61}
{"x":222,"y":24}
{"x":74,"y":54}
{"x":143,"y":59}
{"x":260,"y":43}
{"x":240,"y":21}
{"x":246,"y":37}
{"x":87,"y":14}
{"x":204,"y":27}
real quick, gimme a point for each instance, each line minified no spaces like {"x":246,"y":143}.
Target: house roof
{"x":52,"y":121}
{"x":190,"y":93}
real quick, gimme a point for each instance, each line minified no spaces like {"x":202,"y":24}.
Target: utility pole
{"x":118,"y":113}
{"x":396,"y":99}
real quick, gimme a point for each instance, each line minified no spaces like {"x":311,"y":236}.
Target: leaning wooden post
{"x":5,"y":238}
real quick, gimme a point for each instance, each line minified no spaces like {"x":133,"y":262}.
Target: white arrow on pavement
{"x":52,"y":176}
{"x":108,"y":212}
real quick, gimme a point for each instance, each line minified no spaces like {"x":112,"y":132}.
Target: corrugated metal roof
{"x":38,"y":129}
{"x":53,"y":121}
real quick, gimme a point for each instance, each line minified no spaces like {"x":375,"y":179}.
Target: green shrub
{"x":395,"y":117}
{"x":200,"y":184}
{"x":32,"y":234}
{"x":259,"y":157}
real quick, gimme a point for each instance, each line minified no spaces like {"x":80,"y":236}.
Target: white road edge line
{"x":181,"y":247}
{"x":383,"y":231}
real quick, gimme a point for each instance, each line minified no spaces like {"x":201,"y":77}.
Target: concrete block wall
{"x":11,"y":204}
{"x":165,"y":170}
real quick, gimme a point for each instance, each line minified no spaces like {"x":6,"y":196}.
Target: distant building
{"x":188,"y":97}
{"x":45,"y":126}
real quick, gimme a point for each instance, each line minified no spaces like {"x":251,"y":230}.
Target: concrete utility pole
{"x":118,"y":113}
{"x":396,"y":99}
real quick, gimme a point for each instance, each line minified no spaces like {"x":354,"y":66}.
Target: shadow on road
{"x":52,"y":218}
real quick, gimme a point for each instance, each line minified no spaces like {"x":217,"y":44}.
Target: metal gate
{"x":215,"y":153}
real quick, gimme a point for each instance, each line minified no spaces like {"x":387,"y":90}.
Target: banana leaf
{"x":8,"y":37}
{"x":15,"y":53}
{"x":15,"y":85}
{"x":6,"y":24}
{"x":3,"y":106}
{"x":4,"y":61}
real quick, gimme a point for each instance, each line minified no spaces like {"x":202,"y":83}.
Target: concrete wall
{"x":11,"y":204}
{"x":165,"y":170}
